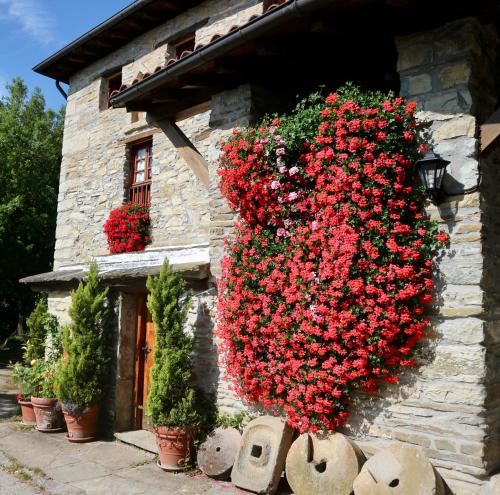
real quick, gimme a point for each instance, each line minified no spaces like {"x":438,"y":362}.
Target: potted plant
{"x":24,"y":373}
{"x":49,"y":418}
{"x":81,"y":379}
{"x":47,"y":408}
{"x":174,"y":404}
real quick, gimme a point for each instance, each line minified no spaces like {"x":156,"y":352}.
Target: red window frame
{"x":141,"y":164}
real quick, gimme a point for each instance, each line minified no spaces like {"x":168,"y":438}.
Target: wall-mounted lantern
{"x":431,"y":169}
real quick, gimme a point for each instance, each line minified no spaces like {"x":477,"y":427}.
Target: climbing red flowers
{"x":325,"y":283}
{"x":127,"y":228}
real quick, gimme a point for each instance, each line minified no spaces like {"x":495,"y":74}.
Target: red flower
{"x":324,"y":294}
{"x":127,"y":228}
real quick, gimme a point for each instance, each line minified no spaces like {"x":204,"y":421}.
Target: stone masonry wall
{"x":445,"y":405}
{"x":95,"y":165}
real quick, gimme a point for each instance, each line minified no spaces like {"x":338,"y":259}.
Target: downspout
{"x":248,"y":32}
{"x":61,"y":90}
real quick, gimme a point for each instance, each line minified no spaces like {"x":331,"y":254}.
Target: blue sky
{"x":31,"y":30}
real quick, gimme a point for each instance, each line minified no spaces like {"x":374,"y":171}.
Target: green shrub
{"x":22,"y":376}
{"x":81,"y":380}
{"x":173,"y":399}
{"x":37,"y":327}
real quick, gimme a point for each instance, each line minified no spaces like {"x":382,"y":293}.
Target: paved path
{"x":99,"y":468}
{"x":10,"y":485}
{"x":8,"y":392}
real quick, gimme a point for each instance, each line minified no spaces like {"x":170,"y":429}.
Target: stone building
{"x":168,"y":80}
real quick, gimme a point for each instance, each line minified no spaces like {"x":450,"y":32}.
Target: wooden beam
{"x":183,"y":145}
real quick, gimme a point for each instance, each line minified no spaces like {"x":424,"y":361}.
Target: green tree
{"x":30,"y":150}
{"x":83,"y":376}
{"x":173,"y":399}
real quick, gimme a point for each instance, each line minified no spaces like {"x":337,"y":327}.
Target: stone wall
{"x":447,"y":405}
{"x":95,"y":165}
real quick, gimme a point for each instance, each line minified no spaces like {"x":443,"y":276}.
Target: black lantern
{"x":431,"y":169}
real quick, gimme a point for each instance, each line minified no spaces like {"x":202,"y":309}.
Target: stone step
{"x":143,"y":439}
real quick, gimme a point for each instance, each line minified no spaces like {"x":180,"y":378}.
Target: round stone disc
{"x":217,"y":454}
{"x":323,"y":464}
{"x":398,"y":470}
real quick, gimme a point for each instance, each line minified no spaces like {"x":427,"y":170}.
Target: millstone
{"x":323,"y":464}
{"x":261,"y":458}
{"x":399,"y":470}
{"x":217,"y":454}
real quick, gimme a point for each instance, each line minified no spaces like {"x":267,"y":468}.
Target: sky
{"x":32,"y":30}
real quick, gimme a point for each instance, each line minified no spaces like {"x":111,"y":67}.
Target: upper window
{"x":141,"y":172}
{"x":114,"y":84}
{"x":184,"y":44}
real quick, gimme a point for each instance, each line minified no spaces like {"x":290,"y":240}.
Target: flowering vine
{"x":127,"y":228}
{"x":324,"y":285}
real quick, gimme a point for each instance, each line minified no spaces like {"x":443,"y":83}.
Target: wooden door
{"x":144,"y":359}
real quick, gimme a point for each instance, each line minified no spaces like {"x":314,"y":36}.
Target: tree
{"x":82,"y":378}
{"x":30,"y":151}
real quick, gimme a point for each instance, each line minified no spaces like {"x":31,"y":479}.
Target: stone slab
{"x":398,"y":470}
{"x":323,"y":464}
{"x":217,"y":454}
{"x":262,"y":454}
{"x":143,"y":439}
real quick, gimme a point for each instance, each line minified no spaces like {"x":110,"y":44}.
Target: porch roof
{"x":295,"y":44}
{"x":190,"y":261}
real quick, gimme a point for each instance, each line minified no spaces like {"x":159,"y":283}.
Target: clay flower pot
{"x":27,"y":413}
{"x":82,"y":427}
{"x":175,"y":444}
{"x":49,"y":418}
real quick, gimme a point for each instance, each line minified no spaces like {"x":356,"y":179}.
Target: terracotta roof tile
{"x":172,"y":60}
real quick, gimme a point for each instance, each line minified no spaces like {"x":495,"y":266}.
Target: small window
{"x":184,"y":44}
{"x":114,"y":84}
{"x":141,"y":163}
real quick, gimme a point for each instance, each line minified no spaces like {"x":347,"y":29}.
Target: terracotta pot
{"x":49,"y":418}
{"x":82,"y":428}
{"x":175,"y":446}
{"x":27,"y":413}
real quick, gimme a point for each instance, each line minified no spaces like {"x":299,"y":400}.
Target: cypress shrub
{"x":173,"y":400}
{"x":38,"y":325}
{"x":82,"y":378}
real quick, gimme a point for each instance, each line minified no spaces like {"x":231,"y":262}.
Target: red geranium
{"x":127,"y":228}
{"x":324,"y":285}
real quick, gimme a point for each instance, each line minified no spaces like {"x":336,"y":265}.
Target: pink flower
{"x":292,"y":196}
{"x":275,"y":185}
{"x":293,"y":171}
{"x":282,"y":169}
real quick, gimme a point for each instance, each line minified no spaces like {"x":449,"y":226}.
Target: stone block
{"x":455,"y":74}
{"x":465,"y":125}
{"x":217,"y":454}
{"x":412,"y":55}
{"x":398,"y":470}
{"x":262,"y":454}
{"x":323,"y":464}
{"x":419,"y":84}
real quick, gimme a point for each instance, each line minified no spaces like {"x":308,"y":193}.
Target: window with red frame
{"x":141,"y":162}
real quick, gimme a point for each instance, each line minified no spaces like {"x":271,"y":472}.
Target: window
{"x":114,"y":84}
{"x":141,"y":162}
{"x":185,"y":44}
